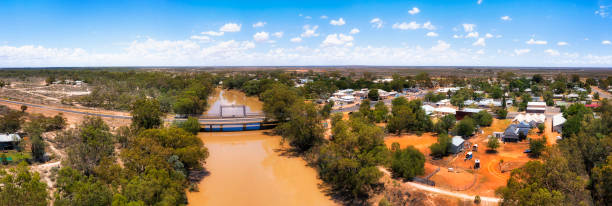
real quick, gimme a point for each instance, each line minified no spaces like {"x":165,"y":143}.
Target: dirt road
{"x":484,"y":200}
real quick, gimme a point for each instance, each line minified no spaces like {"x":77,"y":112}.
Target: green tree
{"x":465,"y":127}
{"x":37,"y":146}
{"x":191,"y":125}
{"x":493,"y":143}
{"x":482,"y":118}
{"x":541,"y":128}
{"x":277,"y":102}
{"x":440,"y":148}
{"x":537,"y":146}
{"x":501,"y":113}
{"x":87,"y":145}
{"x":407,"y":163}
{"x":24,"y":108}
{"x":189,"y":104}
{"x":602,"y":182}
{"x":11,"y":122}
{"x":381,"y":112}
{"x":73,"y":188}
{"x":146,"y":114}
{"x":22,"y":187}
{"x":327,"y":109}
{"x":445,"y":123}
{"x":304,"y":130}
{"x":373,"y":95}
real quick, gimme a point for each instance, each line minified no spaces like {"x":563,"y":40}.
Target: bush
{"x":191,"y":125}
{"x":541,"y":128}
{"x":537,"y":146}
{"x":440,"y":148}
{"x":476,"y":199}
{"x":407,"y":163}
{"x":465,"y":127}
{"x":493,"y":143}
{"x":501,"y":113}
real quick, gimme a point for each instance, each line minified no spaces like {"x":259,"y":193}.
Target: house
{"x":444,"y":102}
{"x":557,"y":122}
{"x":560,"y":103}
{"x":457,"y":144}
{"x":592,"y":105}
{"x":8,"y":141}
{"x":572,"y":97}
{"x":532,"y":119}
{"x":557,"y":96}
{"x":466,"y":112}
{"x":536,"y":107}
{"x":428,"y":109}
{"x":445,"y":110}
{"x":512,"y":133}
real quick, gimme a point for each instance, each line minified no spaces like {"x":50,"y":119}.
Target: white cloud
{"x":479,"y":2}
{"x":414,"y":11}
{"x":506,"y":18}
{"x":354,"y":31}
{"x":338,"y":22}
{"x":457,"y":36}
{"x":296,"y":39}
{"x":481,"y":52}
{"x":261,"y":36}
{"x":468,"y":27}
{"x":519,"y":52}
{"x":441,"y":46}
{"x":405,"y":26}
{"x":562,"y":43}
{"x":201,"y":38}
{"x":278,"y":34}
{"x":472,"y":35}
{"x":376,"y":23}
{"x":429,"y":26}
{"x":338,"y":40}
{"x":488,"y":35}
{"x":324,"y":17}
{"x":259,"y":24}
{"x":603,"y":11}
{"x":431,"y":34}
{"x":310,"y":31}
{"x":230,"y":27}
{"x":213,"y":33}
{"x":479,"y":42}
{"x":552,"y":52}
{"x":536,"y":42}
{"x":606,"y":42}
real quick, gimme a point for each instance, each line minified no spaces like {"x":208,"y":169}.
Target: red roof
{"x":592,"y":105}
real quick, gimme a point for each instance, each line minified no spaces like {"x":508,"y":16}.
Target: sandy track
{"x":484,"y":200}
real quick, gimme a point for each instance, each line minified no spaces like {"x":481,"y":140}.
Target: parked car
{"x":527,"y":151}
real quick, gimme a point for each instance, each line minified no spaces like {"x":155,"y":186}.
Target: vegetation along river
{"x":247,"y":168}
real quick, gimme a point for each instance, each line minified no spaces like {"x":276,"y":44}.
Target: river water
{"x":247,"y":168}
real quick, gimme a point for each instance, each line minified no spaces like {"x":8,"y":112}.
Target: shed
{"x":557,"y":122}
{"x":457,"y":144}
{"x":8,"y":141}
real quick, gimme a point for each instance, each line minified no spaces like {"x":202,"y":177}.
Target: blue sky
{"x":219,"y":33}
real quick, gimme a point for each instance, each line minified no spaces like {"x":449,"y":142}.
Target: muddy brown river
{"x":247,"y":168}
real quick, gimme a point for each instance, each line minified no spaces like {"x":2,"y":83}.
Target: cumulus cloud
{"x":230,"y":27}
{"x":603,"y":11}
{"x":488,"y":36}
{"x":338,"y":40}
{"x":468,"y":27}
{"x":441,"y":46}
{"x":338,"y":22}
{"x":479,"y":42}
{"x":455,"y":36}
{"x":261,"y":36}
{"x":414,"y":11}
{"x":606,"y":42}
{"x":429,"y":26}
{"x":405,"y":26}
{"x":506,"y":18}
{"x":278,"y":34}
{"x":259,"y":24}
{"x":354,"y":31}
{"x":519,"y":52}
{"x":536,"y":42}
{"x":296,"y":39}
{"x":552,"y":52}
{"x":562,"y":43}
{"x":213,"y":33}
{"x":479,"y":2}
{"x":310,"y":31}
{"x":324,"y":17}
{"x":201,"y":38}
{"x":376,"y":23}
{"x":472,"y":35}
{"x":431,"y":34}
